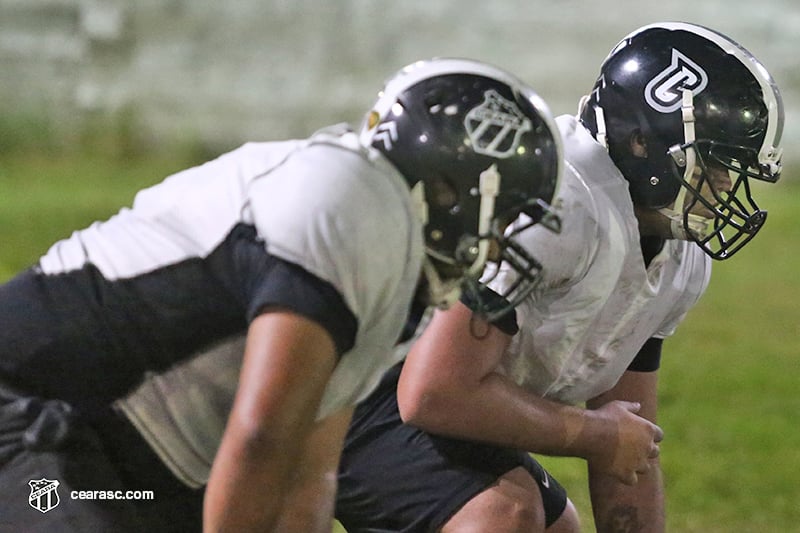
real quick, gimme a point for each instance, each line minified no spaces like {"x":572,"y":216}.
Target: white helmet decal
{"x":387,"y":133}
{"x":495,"y":112}
{"x":663,"y":92}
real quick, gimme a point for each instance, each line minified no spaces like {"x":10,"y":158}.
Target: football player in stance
{"x":220,"y":330}
{"x":658,"y":168}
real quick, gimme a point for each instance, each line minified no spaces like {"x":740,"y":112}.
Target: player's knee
{"x":568,"y":522}
{"x":522,"y":515}
{"x":499,"y":514}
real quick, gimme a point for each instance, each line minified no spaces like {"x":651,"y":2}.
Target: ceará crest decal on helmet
{"x":494,"y":127}
{"x":663,"y":93}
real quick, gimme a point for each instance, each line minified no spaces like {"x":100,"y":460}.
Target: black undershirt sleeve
{"x":507,"y":323}
{"x":649,"y":357}
{"x":288,"y":286}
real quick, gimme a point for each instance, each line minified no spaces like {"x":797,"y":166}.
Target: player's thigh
{"x":512,"y":504}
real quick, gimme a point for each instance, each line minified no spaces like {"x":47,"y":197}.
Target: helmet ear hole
{"x":441,"y":193}
{"x":638,"y":144}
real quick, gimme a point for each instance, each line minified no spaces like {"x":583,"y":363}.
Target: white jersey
{"x":183,"y":260}
{"x":596,"y":304}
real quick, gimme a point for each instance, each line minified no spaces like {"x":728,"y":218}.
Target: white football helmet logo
{"x":663,"y":93}
{"x":495,"y":126}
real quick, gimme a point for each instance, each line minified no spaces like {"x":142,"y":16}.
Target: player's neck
{"x":654,"y":230}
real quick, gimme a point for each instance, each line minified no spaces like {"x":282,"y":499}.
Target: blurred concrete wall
{"x":223,"y":72}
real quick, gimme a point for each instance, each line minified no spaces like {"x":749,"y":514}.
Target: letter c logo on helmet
{"x":664,"y":92}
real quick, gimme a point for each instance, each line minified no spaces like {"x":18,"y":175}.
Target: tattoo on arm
{"x":622,"y":519}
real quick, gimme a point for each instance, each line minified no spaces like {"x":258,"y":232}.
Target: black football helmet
{"x":701,"y":102}
{"x":477,"y":148}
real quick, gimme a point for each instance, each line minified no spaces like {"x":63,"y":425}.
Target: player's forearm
{"x":309,"y":508}
{"x":288,"y":361}
{"x":620,"y":508}
{"x":247,"y":485}
{"x":498,"y":411}
{"x":309,"y":505}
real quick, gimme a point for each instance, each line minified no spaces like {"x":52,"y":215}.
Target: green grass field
{"x":729,"y":378}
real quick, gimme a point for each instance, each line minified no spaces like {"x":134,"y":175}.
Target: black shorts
{"x":394,"y":477}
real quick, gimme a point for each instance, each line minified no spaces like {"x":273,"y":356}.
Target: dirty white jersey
{"x":596,"y":304}
{"x":164,"y":290}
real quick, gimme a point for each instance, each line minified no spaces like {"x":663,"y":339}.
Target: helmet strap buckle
{"x":678,"y":155}
{"x":489,"y":188}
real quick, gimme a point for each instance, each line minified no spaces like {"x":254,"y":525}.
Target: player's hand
{"x":630,"y":444}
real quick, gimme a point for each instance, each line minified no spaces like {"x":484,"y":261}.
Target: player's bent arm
{"x":287,"y":363}
{"x":309,"y":506}
{"x":449,"y":387}
{"x":453,"y":354}
{"x":640,"y":506}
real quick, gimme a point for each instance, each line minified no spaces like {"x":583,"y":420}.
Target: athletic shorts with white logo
{"x":394,"y":477}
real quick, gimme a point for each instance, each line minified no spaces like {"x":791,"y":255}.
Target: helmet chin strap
{"x":698,"y":225}
{"x":442,"y":293}
{"x":418,"y":202}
